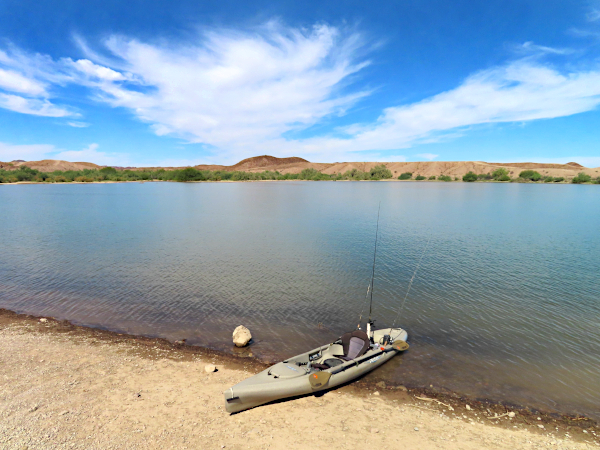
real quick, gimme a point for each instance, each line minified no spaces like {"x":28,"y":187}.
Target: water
{"x":505,"y":305}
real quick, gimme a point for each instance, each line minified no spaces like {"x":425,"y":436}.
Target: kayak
{"x":351,"y":356}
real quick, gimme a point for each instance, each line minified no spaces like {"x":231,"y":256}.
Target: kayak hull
{"x":291,"y":378}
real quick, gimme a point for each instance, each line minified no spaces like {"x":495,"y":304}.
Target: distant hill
{"x":49,"y":165}
{"x":296,"y":165}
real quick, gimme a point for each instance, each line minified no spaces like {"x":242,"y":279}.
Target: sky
{"x":172,"y":83}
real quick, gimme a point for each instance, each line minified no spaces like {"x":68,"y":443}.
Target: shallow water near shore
{"x":504,"y":306}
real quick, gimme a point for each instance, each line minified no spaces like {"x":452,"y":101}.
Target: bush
{"x":581,"y":178}
{"x":405,"y":176}
{"x":444,"y":178}
{"x":470,"y":177}
{"x":187,"y":174}
{"x":484,"y":176}
{"x":379,"y":172}
{"x":108,"y":170}
{"x":431,"y":177}
{"x":84,"y":179}
{"x":559,"y":179}
{"x":420,"y":178}
{"x":548,"y":179}
{"x":531,"y":175}
{"x":499,"y":173}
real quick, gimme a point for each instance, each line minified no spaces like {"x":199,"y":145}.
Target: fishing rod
{"x":372,"y":283}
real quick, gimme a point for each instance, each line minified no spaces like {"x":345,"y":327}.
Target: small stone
{"x":63,"y":413}
{"x":511,"y":414}
{"x":241,"y":336}
{"x":539,"y":418}
{"x":402,"y":388}
{"x":376,"y":393}
{"x":416,"y":428}
{"x":180,"y":342}
{"x":585,"y":431}
{"x":43,"y":320}
{"x":468,"y":407}
{"x":541,"y":426}
{"x":34,"y":408}
{"x":374,"y":430}
{"x":209,"y":368}
{"x":381,"y":384}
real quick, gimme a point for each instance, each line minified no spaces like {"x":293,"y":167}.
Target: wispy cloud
{"x":9,"y":152}
{"x":91,"y":154}
{"x":427,"y":156}
{"x":538,"y":50}
{"x":78,"y":124}
{"x":33,"y":106}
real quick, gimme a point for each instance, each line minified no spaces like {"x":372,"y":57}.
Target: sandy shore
{"x":64,"y":386}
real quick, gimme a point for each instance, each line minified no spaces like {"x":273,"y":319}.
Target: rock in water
{"x":241,"y":336}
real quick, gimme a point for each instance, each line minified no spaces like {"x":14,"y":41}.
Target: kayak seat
{"x":354,"y":344}
{"x":327,"y":364}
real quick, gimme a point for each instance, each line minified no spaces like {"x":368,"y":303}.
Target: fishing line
{"x":410,"y":283}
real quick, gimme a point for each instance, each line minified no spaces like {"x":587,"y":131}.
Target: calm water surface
{"x":505,"y":304}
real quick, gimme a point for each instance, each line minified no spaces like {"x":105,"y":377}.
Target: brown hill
{"x":50,"y":165}
{"x":296,"y":165}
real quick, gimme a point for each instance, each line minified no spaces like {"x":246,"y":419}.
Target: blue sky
{"x":188,"y":82}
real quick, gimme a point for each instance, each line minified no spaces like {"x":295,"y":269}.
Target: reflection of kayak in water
{"x":322,"y":368}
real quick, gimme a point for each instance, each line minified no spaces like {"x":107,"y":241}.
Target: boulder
{"x":209,"y":368}
{"x":241,"y":336}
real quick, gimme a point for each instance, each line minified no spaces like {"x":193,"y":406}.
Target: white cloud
{"x":9,"y":152}
{"x":531,"y":48}
{"x":95,"y":71}
{"x":593,"y":15}
{"x":33,"y":106}
{"x":427,"y":156}
{"x":91,"y":154}
{"x":15,"y":82}
{"x":78,"y":124}
{"x":235,"y":89}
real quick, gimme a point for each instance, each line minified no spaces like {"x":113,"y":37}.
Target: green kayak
{"x":349,"y":357}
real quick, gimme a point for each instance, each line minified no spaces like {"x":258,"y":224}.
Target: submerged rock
{"x":241,"y":336}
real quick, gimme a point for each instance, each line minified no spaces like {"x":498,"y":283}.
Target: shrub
{"x":444,"y":178}
{"x":559,"y":179}
{"x":405,"y":176}
{"x":548,"y":179}
{"x":499,"y":173}
{"x":420,"y":177}
{"x":183,"y":175}
{"x":380,"y":171}
{"x":83,"y":179}
{"x":484,"y":176}
{"x":108,"y":170}
{"x":531,"y":175}
{"x":470,"y":177}
{"x":597,"y":180}
{"x":308,"y":174}
{"x":581,"y":178}
{"x":431,"y":177}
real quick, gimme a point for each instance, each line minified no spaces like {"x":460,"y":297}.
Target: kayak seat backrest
{"x":355,"y":344}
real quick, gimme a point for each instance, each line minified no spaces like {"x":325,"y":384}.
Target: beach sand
{"x":70,"y":387}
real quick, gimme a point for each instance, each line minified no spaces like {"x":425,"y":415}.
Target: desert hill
{"x":296,"y":165}
{"x":49,"y":165}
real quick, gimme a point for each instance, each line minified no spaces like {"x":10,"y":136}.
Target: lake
{"x":505,"y":304}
